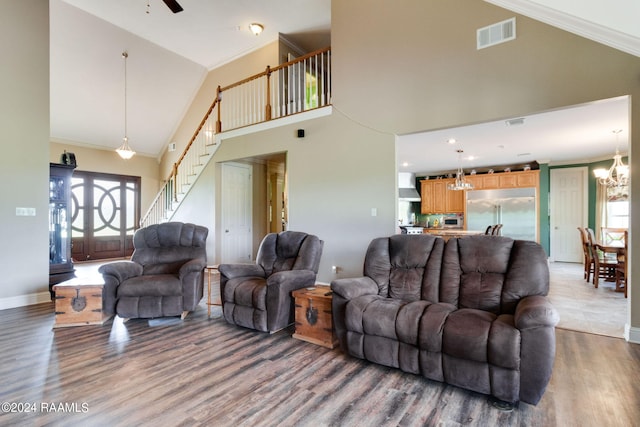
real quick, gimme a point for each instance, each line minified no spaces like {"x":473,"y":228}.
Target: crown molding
{"x":573,"y":24}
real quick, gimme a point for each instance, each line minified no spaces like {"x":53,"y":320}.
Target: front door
{"x":568,"y":211}
{"x":105,"y":211}
{"x":236,"y":213}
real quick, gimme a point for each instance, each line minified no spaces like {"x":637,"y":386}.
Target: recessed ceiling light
{"x":256,"y":28}
{"x":451,"y":140}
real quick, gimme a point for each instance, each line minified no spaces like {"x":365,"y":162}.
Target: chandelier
{"x":618,"y":173}
{"x":124,"y":150}
{"x":460,"y":183}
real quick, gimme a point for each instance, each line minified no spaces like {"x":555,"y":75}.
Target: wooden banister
{"x":245,"y":106}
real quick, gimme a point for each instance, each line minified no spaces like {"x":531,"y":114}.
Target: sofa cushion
{"x":247,"y":292}
{"x":482,"y":337}
{"x":150,"y":285}
{"x":406,"y":267}
{"x":474,"y":272}
{"x":374,"y":315}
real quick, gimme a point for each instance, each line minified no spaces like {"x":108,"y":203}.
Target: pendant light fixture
{"x":125,"y":150}
{"x":460,"y":183}
{"x":618,"y":173}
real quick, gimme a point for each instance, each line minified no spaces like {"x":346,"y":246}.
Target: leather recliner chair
{"x":258,"y":296}
{"x":164,"y":277}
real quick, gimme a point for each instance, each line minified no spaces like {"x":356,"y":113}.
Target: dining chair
{"x":613,"y":235}
{"x":604,"y":264}
{"x":621,"y":267}
{"x":496,"y":231}
{"x":589,"y":265}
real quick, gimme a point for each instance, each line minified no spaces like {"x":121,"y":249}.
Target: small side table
{"x":211,"y":270}
{"x":78,"y":302}
{"x":314,"y":321}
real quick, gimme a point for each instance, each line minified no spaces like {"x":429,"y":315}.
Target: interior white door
{"x":568,"y":211}
{"x":236,"y":198}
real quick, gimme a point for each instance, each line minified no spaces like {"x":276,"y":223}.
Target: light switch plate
{"x":25,"y":211}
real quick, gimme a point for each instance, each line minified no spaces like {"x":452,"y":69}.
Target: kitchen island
{"x":447,"y":233}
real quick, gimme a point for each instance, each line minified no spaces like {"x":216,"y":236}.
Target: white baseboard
{"x":632,"y":334}
{"x":23,"y":300}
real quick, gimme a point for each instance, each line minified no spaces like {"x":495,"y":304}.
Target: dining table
{"x":614,"y":250}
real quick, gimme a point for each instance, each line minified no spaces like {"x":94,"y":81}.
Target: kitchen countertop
{"x":447,"y":233}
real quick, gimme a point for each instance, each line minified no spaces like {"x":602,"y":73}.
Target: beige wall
{"x":335,"y":176}
{"x":253,"y":63}
{"x":24,"y":137}
{"x":108,"y":161}
{"x":414,"y":67}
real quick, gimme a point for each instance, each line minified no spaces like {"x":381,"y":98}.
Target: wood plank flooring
{"x":204,"y":372}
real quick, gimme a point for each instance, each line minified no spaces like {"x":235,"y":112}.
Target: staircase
{"x":296,"y":86}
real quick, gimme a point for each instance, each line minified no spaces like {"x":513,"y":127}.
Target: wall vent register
{"x":496,"y":33}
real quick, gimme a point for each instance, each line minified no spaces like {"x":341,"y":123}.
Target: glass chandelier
{"x":618,"y":173}
{"x":125,"y":150}
{"x":460,"y":183}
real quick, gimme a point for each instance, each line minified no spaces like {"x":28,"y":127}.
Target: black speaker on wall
{"x":300,"y":133}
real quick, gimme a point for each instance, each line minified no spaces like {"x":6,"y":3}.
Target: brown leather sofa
{"x":471,"y":312}
{"x":165,"y":276}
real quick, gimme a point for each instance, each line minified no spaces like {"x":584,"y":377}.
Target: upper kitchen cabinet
{"x":437,"y":199}
{"x":523,"y":179}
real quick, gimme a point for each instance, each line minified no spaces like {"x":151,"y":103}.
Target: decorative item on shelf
{"x":68,"y":159}
{"x":618,"y":173}
{"x":460,"y":183}
{"x":125,"y":150}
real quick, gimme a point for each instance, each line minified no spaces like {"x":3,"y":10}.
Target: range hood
{"x":407,"y":187}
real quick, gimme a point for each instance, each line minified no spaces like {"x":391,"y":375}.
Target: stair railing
{"x":293,"y":87}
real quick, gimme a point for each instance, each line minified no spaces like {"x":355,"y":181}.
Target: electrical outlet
{"x":335,"y":269}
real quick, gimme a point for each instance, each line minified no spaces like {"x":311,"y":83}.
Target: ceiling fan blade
{"x":173,"y":5}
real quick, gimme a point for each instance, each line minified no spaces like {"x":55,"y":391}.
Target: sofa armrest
{"x":230,"y":271}
{"x":290,"y":280}
{"x":350,"y":288}
{"x":196,"y":265}
{"x":535,"y":311}
{"x":121,"y":270}
{"x":280,"y":306}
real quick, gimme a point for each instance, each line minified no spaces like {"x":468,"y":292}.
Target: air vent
{"x":497,"y":33}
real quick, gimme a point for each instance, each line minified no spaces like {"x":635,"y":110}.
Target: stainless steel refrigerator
{"x":515,"y":208}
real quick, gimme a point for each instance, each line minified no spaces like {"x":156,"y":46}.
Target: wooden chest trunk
{"x":314,"y":322}
{"x":79,"y":302}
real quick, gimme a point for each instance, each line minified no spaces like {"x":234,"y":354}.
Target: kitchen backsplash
{"x":428,"y":220}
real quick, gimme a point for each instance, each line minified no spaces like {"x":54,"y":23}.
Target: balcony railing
{"x":294,"y":87}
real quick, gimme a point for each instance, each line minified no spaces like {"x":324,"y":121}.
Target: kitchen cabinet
{"x":437,"y":199}
{"x":523,"y":179}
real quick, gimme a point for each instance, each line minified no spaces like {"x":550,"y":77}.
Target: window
{"x":618,"y":207}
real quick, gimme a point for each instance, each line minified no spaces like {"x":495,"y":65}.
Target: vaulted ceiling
{"x":169,"y":57}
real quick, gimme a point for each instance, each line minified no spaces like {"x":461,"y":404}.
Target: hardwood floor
{"x":203,"y":371}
